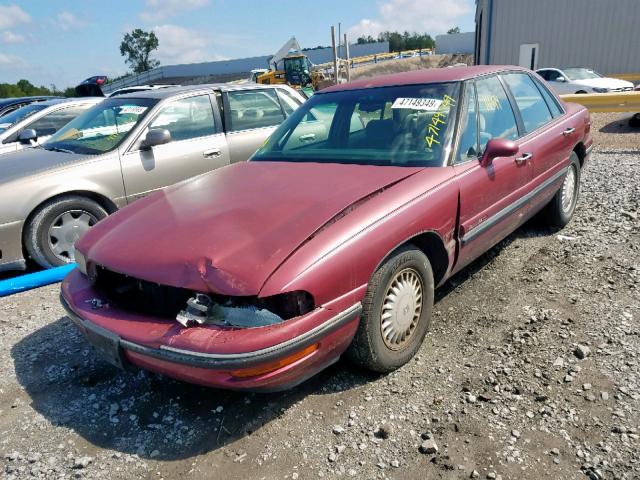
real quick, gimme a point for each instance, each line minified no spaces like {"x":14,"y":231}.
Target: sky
{"x":62,"y":42}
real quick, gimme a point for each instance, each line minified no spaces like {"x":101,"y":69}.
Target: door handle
{"x":568,"y":131}
{"x":307,"y":137}
{"x":213,"y":152}
{"x":523,"y":159}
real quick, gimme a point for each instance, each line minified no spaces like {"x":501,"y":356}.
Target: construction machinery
{"x":292,"y":67}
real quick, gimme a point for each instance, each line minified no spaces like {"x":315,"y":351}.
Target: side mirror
{"x":561,"y":79}
{"x":498,"y":147}
{"x":26,"y":136}
{"x":155,"y":137}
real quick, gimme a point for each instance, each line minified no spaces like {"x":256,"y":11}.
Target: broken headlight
{"x":245,"y":312}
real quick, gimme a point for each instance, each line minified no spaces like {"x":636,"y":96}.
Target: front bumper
{"x":11,"y":257}
{"x":332,"y":335}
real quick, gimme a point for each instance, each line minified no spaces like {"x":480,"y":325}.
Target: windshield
{"x":101,"y":128}
{"x":581,"y":74}
{"x":18,"y":115}
{"x":402,"y":126}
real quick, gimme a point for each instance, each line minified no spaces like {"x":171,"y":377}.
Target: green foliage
{"x":137,"y":47}
{"x":319,"y":47}
{"x":400,"y":41}
{"x":24,"y":88}
{"x":453,"y":30}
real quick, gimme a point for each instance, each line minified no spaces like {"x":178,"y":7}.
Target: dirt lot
{"x":532,"y":370}
{"x":408,"y":64}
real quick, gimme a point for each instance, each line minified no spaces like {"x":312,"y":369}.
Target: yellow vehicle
{"x":295,"y":70}
{"x":292,"y":67}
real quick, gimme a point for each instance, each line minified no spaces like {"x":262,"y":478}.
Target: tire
{"x":373,"y":346}
{"x":580,"y":92}
{"x":558,"y":213}
{"x":41,"y":238}
{"x":634,"y":121}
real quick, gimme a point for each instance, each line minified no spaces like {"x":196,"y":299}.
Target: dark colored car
{"x":8,"y":105}
{"x":334,"y":236}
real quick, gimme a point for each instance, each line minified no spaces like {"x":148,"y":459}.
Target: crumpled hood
{"x":227,"y":231}
{"x":33,"y":161}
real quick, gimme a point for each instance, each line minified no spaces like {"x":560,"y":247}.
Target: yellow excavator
{"x":292,"y":67}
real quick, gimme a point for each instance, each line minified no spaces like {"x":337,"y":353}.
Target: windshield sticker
{"x":438,"y":120}
{"x":425,"y":104}
{"x":135,"y":109}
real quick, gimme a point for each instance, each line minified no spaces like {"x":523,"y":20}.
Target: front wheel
{"x":396,"y":312}
{"x":562,"y":206}
{"x":51,"y":233}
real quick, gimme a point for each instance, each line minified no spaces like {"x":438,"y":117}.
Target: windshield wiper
{"x":58,"y":149}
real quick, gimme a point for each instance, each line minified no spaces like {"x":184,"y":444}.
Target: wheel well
{"x":581,"y":151}
{"x":432,"y":246}
{"x":103,"y":201}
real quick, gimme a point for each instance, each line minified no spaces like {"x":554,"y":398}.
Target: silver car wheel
{"x":66,"y":229}
{"x":569,"y":188}
{"x":401,"y":308}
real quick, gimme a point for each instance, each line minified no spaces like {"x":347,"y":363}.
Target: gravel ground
{"x":531,"y":371}
{"x":611,"y":131}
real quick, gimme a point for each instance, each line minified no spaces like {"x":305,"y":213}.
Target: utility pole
{"x":335,"y":55}
{"x":347,"y":59}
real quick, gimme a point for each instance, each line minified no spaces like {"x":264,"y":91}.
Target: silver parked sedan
{"x":34,"y":123}
{"x":121,"y":149}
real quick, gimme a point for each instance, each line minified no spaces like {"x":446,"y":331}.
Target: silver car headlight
{"x":600,"y":89}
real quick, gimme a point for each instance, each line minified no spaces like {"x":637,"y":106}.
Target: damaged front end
{"x":197,"y":308}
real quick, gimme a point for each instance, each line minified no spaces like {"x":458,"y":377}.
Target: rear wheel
{"x":53,"y":230}
{"x":396,"y":312}
{"x":561,"y":207}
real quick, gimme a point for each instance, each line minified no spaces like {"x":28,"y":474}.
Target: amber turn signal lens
{"x":270,"y":367}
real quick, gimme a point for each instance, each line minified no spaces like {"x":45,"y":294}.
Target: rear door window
{"x":254,"y":109}
{"x":186,"y":118}
{"x":533,"y":108}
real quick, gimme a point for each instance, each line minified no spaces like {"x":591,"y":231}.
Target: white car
{"x":582,"y":80}
{"x":32,"y":124}
{"x":138,"y":88}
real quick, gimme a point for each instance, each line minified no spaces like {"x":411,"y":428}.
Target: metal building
{"x":600,"y":34}
{"x":455,"y":43}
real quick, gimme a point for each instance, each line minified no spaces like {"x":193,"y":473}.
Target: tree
{"x":453,"y":30}
{"x":137,"y":47}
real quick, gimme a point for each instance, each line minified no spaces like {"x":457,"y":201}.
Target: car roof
{"x":57,"y":101}
{"x":11,"y":101}
{"x":430,"y":75}
{"x":161,"y":93}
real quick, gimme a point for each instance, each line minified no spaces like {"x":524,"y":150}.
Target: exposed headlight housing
{"x":81,"y":261}
{"x":600,"y":89}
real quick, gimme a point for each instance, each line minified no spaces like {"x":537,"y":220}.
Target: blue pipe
{"x":34,"y":280}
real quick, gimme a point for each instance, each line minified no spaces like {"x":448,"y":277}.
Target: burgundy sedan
{"x":333,"y":237}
